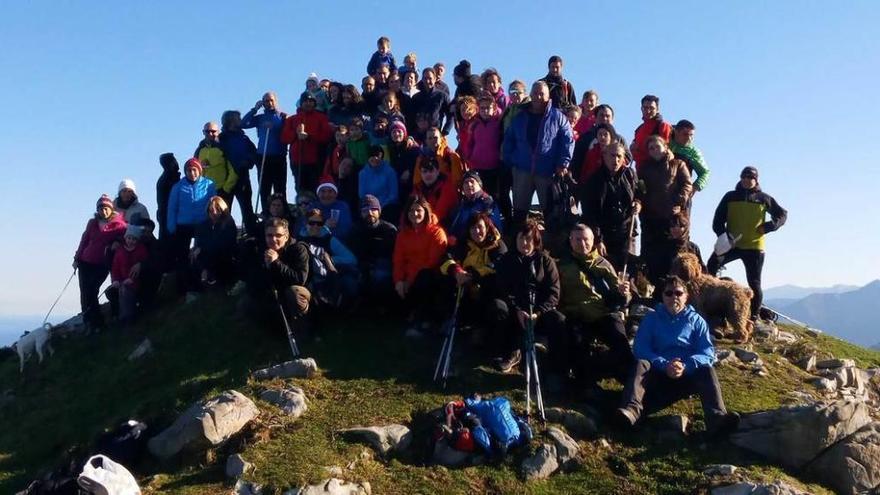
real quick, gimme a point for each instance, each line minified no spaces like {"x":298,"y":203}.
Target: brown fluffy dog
{"x":714,"y":298}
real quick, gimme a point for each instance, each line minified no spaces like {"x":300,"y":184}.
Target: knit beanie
{"x":399,"y":125}
{"x":463,"y":69}
{"x":327,"y":184}
{"x":472,"y":174}
{"x":127,"y":184}
{"x":312,"y":77}
{"x":192,"y":162}
{"x":370,"y":202}
{"x":103,"y":201}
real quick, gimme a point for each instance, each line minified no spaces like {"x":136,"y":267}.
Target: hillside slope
{"x":370,"y":375}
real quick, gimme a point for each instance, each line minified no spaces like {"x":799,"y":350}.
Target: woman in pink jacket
{"x":484,"y":149}
{"x":92,"y":258}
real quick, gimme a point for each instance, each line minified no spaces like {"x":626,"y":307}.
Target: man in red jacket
{"x":652,"y":125}
{"x":307,"y":133}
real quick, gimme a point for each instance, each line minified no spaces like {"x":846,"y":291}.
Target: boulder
{"x":236,"y":466}
{"x":808,"y":363}
{"x":566,"y":447}
{"x":793,"y":436}
{"x":835,"y":363}
{"x":766,"y":329}
{"x":778,"y":487}
{"x":205,"y":424}
{"x":291,"y":400}
{"x":144,"y":348}
{"x":575,"y":422}
{"x":246,"y":488}
{"x":298,"y":368}
{"x":541,"y":464}
{"x":852,"y":465}
{"x":825,"y":384}
{"x":384,"y":439}
{"x":720,"y":470}
{"x":746,"y":355}
{"x":333,"y":486}
{"x":847,"y":377}
{"x":726,"y":356}
{"x":786,"y":337}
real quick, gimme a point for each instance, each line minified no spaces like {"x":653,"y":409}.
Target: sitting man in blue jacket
{"x":674,"y":360}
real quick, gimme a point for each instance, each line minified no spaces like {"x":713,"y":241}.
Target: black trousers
{"x":424,"y":295}
{"x":244,"y":194}
{"x":502,"y":196}
{"x":648,"y":391}
{"x":273,"y":179}
{"x":617,"y":247}
{"x":306,"y":176}
{"x":179,"y":255}
{"x":91,"y":276}
{"x":753,"y":261}
{"x":510,"y":334}
{"x":612,"y":333}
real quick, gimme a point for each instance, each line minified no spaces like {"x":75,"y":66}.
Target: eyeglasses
{"x":316,"y":223}
{"x":676,"y":293}
{"x":210,"y":131}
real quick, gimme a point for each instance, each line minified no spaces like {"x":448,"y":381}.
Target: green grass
{"x":370,"y":375}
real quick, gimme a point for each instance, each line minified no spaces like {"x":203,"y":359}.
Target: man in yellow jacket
{"x":215,"y":166}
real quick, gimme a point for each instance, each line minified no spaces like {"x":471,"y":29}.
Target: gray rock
{"x":726,"y":356}
{"x":835,"y":363}
{"x":566,"y":447}
{"x":766,"y":329}
{"x":575,"y":422}
{"x":246,"y":488}
{"x":298,"y":368}
{"x":720,"y":470}
{"x":384,"y":439}
{"x":786,"y":337}
{"x":808,"y":363}
{"x":849,"y":378}
{"x":802,"y":397}
{"x":541,"y":464}
{"x":291,"y":400}
{"x":144,"y":348}
{"x":333,"y":486}
{"x":793,"y":436}
{"x":825,"y":384}
{"x":852,"y":465}
{"x":445,"y":455}
{"x":205,"y":424}
{"x":778,"y":487}
{"x":236,"y":466}
{"x":746,"y":355}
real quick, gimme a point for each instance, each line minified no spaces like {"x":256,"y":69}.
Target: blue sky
{"x":95,"y":91}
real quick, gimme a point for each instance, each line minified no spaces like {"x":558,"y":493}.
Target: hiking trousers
{"x":648,"y":390}
{"x":273,"y":179}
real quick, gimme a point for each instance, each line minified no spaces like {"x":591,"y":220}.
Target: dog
{"x":715,"y":299}
{"x":38,"y":340}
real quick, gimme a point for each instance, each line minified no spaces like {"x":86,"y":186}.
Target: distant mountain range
{"x":843,"y":311}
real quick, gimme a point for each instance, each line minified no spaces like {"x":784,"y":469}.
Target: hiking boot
{"x":623,"y":418}
{"x":507,"y":365}
{"x":723,"y":425}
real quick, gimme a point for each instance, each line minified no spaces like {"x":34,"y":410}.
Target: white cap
{"x":312,"y":77}
{"x":127,"y":184}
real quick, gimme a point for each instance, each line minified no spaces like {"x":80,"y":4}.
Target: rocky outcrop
{"x":853,"y":464}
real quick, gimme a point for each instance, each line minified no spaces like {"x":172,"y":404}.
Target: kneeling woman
{"x":213,"y":257}
{"x":471,"y":263}
{"x":333,"y":277}
{"x":420,"y":246}
{"x":528,"y":288}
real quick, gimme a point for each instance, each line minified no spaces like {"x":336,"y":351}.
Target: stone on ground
{"x":778,"y":487}
{"x":566,"y":447}
{"x":541,"y":464}
{"x":835,"y":363}
{"x":384,"y":439}
{"x":333,"y":486}
{"x":720,"y":470}
{"x":298,"y":368}
{"x":246,"y":488}
{"x":291,"y":400}
{"x":852,"y":465}
{"x":575,"y":422}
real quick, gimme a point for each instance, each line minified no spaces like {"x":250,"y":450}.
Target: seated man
{"x":373,"y":244}
{"x":591,"y":293}
{"x":675,"y":357}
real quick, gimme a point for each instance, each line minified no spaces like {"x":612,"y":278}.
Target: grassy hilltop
{"x":371,"y":375}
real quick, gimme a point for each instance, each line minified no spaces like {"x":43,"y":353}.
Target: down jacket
{"x":418,"y":248}
{"x":188,"y":202}
{"x":555,"y":143}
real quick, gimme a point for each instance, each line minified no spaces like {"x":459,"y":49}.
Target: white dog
{"x":37,"y":340}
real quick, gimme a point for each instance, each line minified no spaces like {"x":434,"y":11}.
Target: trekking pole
{"x":629,"y":237}
{"x":299,"y":168}
{"x":442,"y":368}
{"x":262,"y":172}
{"x":789,"y":318}
{"x":59,"y":296}
{"x":294,"y":349}
{"x":532,"y":363}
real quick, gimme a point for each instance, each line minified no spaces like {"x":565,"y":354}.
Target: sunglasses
{"x":303,"y":203}
{"x":316,"y":223}
{"x":676,"y":293}
{"x":210,"y":131}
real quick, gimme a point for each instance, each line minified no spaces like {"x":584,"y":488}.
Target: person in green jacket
{"x":741,"y":215}
{"x":682,"y":145}
{"x":215,"y":166}
{"x":591,"y":297}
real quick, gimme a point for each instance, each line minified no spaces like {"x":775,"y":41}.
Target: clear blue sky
{"x":94,"y":92}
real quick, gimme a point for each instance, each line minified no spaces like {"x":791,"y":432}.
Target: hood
{"x":169,"y":162}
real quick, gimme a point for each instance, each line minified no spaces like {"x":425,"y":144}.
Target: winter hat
{"x":472,"y":174}
{"x":307,"y":96}
{"x":399,"y":125}
{"x":134,"y":231}
{"x":749,"y":172}
{"x":463,"y":69}
{"x":169,"y":162}
{"x":370,"y":202}
{"x":127,"y":184}
{"x":376,"y":150}
{"x":103,"y":201}
{"x":312,"y":77}
{"x":192,"y":162}
{"x":327,"y":184}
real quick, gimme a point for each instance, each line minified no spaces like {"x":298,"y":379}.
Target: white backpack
{"x":725,"y":243}
{"x":102,"y":476}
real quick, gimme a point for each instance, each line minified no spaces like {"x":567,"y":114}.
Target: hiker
{"x":484,"y":151}
{"x":307,"y":133}
{"x":538,"y":145}
{"x":335,"y":211}
{"x":333,"y":274}
{"x":741,"y":215}
{"x":652,"y":125}
{"x":371,"y":97}
{"x":440,"y":71}
{"x":667,"y":190}
{"x":170,"y":176}
{"x":378,"y":179}
{"x":418,"y":251}
{"x":433,"y":102}
{"x":493,"y":88}
{"x":377,"y":134}
{"x":125,"y":280}
{"x":676,"y":240}
{"x":449,"y":162}
{"x":675,"y":357}
{"x":410,"y":65}
{"x":471,"y":264}
{"x":390,"y":108}
{"x":93,"y":256}
{"x":592,"y":297}
{"x":561,"y":91}
{"x":436,"y":187}
{"x":127,"y":203}
{"x":528,"y":269}
{"x":270,"y":149}
{"x":603,"y":115}
{"x":519,"y":98}
{"x":350,"y":106}
{"x":372,"y":242}
{"x":473,"y":200}
{"x":317,"y":92}
{"x":187,"y":208}
{"x":241,"y":153}
{"x":465,"y":117}
{"x":212,"y":256}
{"x":402,"y":155}
{"x":682,"y":145}
{"x":589,"y":102}
{"x":593,"y":160}
{"x":573,"y":114}
{"x":382,"y":56}
{"x":215,"y":166}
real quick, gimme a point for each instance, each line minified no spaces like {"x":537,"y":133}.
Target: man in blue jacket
{"x":674,"y":360}
{"x":270,"y":149}
{"x":538,"y":144}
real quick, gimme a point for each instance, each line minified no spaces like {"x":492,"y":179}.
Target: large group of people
{"x":389,"y":216}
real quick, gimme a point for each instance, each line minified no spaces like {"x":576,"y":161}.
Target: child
{"x":322,"y":101}
{"x":409,"y":65}
{"x":124,"y":285}
{"x":337,"y":155}
{"x":380,"y":180}
{"x":382,"y":56}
